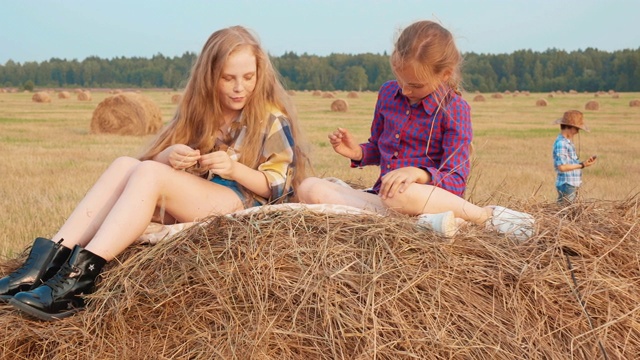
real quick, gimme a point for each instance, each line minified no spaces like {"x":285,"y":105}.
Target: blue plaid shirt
{"x":564,"y":152}
{"x":434,"y":135}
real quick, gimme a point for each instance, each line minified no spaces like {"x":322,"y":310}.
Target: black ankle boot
{"x":44,"y":260}
{"x":61,"y":296}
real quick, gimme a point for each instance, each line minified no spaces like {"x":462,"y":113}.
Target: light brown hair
{"x":431,"y":50}
{"x":199,"y":113}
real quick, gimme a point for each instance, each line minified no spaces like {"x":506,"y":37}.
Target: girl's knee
{"x":308,"y":190}
{"x":125,"y":162}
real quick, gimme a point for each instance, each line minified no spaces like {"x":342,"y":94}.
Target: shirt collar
{"x":429,"y":103}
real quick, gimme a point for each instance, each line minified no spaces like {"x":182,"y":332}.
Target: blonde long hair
{"x":199,"y":113}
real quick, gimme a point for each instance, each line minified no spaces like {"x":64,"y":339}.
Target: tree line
{"x":526,"y":70}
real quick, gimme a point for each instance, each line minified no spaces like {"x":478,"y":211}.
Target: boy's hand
{"x":344,"y":144}
{"x":590,"y":161}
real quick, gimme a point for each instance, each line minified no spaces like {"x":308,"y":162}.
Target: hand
{"x":219,"y":163}
{"x":399,"y":180}
{"x":344,"y":144}
{"x":182,"y":156}
{"x":590,"y":161}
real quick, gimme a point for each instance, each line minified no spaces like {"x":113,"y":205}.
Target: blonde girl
{"x":420,"y":137}
{"x":230,"y":145}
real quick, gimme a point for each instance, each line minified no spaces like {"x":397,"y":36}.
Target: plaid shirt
{"x":434,"y":135}
{"x":564,"y":152}
{"x":277,"y":159}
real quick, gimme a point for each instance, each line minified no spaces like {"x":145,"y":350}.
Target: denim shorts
{"x":567,"y":193}
{"x":233,"y":185}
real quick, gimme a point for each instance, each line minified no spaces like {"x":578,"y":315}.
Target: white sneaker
{"x":512,"y":223}
{"x":444,"y":223}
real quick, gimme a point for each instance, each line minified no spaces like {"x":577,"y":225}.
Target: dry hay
{"x":64,"y":95}
{"x":301,"y":285}
{"x":497,"y":96}
{"x":328,"y":95}
{"x":541,"y":102}
{"x":479,"y":98}
{"x":291,"y":92}
{"x":550,"y":95}
{"x":41,"y":97}
{"x":339,"y":105}
{"x":634,"y":103}
{"x":126,"y":114}
{"x":352,"y":95}
{"x":592,"y":105}
{"x":84,"y":96}
{"x":175,"y":98}
{"x":317,"y":93}
{"x":615,"y":96}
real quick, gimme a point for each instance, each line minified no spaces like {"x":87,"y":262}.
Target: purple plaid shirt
{"x":421,"y":135}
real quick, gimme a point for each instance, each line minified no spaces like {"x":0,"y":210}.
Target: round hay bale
{"x":175,"y":98}
{"x":317,"y":93}
{"x":328,"y":95}
{"x":592,"y":105}
{"x":352,"y":286}
{"x":541,"y":102}
{"x":634,"y":103}
{"x":615,"y":96}
{"x":339,"y":105}
{"x":497,"y":96}
{"x":479,"y":98}
{"x":64,"y":95}
{"x":84,"y":96}
{"x":126,"y":114}
{"x":353,"y":95}
{"x":291,"y":92}
{"x":41,"y":97}
{"x":550,"y":95}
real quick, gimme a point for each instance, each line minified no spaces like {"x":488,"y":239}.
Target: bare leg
{"x":427,"y":199}
{"x":186,"y":197}
{"x":317,"y":191}
{"x":85,"y":220}
{"x":417,"y":199}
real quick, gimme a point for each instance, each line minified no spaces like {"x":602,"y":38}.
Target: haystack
{"x":634,"y":103}
{"x":328,"y":95}
{"x":64,"y":95}
{"x":291,"y":92}
{"x":41,"y":97}
{"x":126,"y":114}
{"x":592,"y":105}
{"x":301,"y":285}
{"x":352,"y":95}
{"x":175,"y":98}
{"x":479,"y":98}
{"x":339,"y":105}
{"x":84,"y":96}
{"x":497,"y":96}
{"x":541,"y":102}
{"x":316,"y":93}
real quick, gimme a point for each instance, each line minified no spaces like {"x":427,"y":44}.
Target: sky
{"x":71,"y":29}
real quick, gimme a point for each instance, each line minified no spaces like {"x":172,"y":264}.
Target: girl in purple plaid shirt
{"x":420,"y":137}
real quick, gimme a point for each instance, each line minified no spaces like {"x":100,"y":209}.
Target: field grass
{"x":48,"y":159}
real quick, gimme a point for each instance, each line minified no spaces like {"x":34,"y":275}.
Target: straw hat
{"x":572,"y":118}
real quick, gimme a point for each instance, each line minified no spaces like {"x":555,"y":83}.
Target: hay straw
{"x":41,"y":97}
{"x":302,"y":285}
{"x":592,"y":105}
{"x":479,"y":98}
{"x":541,"y":102}
{"x":127,"y":113}
{"x":339,"y":105}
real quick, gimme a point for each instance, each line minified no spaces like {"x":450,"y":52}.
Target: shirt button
{"x":388,"y":166}
{"x":408,"y":112}
{"x":395,"y":153}
{"x":397,"y":136}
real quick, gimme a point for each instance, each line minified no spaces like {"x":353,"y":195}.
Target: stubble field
{"x":48,"y":159}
